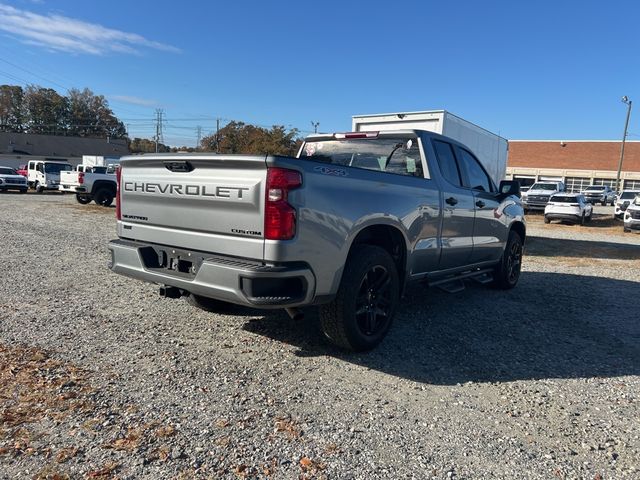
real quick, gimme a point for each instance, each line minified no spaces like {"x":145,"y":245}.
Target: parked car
{"x":602,"y":194}
{"x":45,"y":174}
{"x":345,"y":226}
{"x":10,"y":180}
{"x":22,"y":170}
{"x":90,"y":182}
{"x":623,"y":200}
{"x":571,"y":207}
{"x":538,"y":195}
{"x":632,"y":215}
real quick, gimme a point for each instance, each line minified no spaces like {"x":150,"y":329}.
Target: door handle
{"x":480,"y":204}
{"x":451,"y":201}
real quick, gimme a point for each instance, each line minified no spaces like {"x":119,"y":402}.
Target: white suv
{"x":632,"y":215}
{"x":572,"y":207}
{"x":623,"y":200}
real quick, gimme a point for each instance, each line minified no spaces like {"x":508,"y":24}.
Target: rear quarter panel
{"x":336,"y":203}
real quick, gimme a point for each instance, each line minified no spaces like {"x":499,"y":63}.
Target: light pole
{"x":626,"y":100}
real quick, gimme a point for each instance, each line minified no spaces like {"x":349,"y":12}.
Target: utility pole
{"x":626,"y":100}
{"x":159,"y":139}
{"x":315,"y":126}
{"x":217,"y":135}
{"x":199,"y":132}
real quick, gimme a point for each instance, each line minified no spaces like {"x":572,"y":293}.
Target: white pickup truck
{"x":89,"y":183}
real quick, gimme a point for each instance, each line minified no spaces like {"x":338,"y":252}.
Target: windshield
{"x":7,"y":171}
{"x":596,"y":187}
{"x":637,"y":200}
{"x":544,"y":186}
{"x":628,"y":195}
{"x":56,"y":167}
{"x":565,"y":198}
{"x":392,"y":155}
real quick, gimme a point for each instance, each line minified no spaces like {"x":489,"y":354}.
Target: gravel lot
{"x":101,"y":378}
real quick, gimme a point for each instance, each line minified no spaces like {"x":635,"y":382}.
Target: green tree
{"x":91,"y":116}
{"x":11,"y":117}
{"x":239,"y":137}
{"x":144,"y":145}
{"x":45,"y":111}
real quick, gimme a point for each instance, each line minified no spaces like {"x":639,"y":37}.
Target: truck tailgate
{"x":210,"y":203}
{"x":69,"y":177}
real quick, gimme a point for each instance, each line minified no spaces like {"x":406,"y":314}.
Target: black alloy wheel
{"x":514,"y":262}
{"x":362,"y":311}
{"x":83,"y":199}
{"x":507,"y":272}
{"x":373,"y":301}
{"x":103,"y":197}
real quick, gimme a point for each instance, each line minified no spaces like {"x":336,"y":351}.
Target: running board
{"x":455,"y":283}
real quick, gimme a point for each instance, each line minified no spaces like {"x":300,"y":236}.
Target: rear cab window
{"x":398,"y":155}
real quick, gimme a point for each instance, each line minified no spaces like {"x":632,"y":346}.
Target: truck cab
{"x":45,"y":174}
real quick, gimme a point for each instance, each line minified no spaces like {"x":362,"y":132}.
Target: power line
{"x":34,"y":74}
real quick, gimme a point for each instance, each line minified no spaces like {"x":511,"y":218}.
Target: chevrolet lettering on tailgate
{"x":186,"y":189}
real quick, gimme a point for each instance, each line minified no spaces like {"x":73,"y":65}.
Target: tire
{"x":38,"y":188}
{"x":604,"y":203}
{"x":207,"y":304}
{"x":546,"y":219}
{"x":103,"y":197}
{"x":23,"y":190}
{"x":507,"y":272}
{"x":361,"y":314}
{"x":583,"y":219}
{"x":590,"y":216}
{"x":626,"y":230}
{"x":83,"y":199}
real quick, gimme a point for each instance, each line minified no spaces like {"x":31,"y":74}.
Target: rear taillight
{"x":80,"y":178}
{"x":118,"y":202}
{"x":279,"y":216}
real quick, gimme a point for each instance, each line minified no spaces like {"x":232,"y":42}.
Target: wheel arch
{"x":388,"y":237}
{"x":520,"y":229}
{"x":106,"y":184}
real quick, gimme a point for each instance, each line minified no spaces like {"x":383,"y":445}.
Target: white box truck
{"x":491,"y":149}
{"x":94,"y":161}
{"x":101,"y":161}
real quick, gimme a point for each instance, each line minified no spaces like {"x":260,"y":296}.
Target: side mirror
{"x":509,"y":187}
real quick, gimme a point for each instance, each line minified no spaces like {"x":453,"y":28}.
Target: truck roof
{"x":382,"y":133}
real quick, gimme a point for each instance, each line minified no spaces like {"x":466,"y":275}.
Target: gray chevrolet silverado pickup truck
{"x":345,"y":226}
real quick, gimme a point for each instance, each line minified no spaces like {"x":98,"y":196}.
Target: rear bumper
{"x":563,"y":216}
{"x":533,"y":205}
{"x":632,"y":223}
{"x":233,"y":280}
{"x":71,"y":188}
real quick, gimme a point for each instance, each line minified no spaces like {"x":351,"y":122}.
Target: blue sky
{"x":526,"y":70}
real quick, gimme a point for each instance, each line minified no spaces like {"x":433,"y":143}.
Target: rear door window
{"x":447,"y":162}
